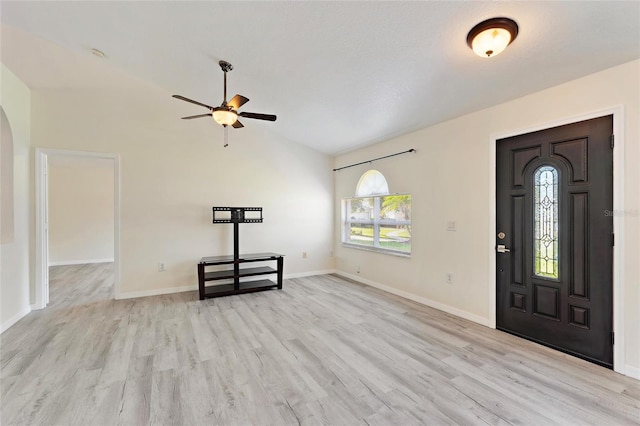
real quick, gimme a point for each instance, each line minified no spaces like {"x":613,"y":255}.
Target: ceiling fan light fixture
{"x":224,"y":117}
{"x":489,"y":38}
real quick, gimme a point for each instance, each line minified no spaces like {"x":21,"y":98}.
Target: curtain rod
{"x":375,"y":159}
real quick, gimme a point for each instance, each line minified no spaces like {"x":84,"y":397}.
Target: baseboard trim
{"x":170,"y":290}
{"x":632,"y":372}
{"x":155,"y":292}
{"x":309,"y":274}
{"x":422,"y":300}
{"x":14,"y":319}
{"x":80,"y":262}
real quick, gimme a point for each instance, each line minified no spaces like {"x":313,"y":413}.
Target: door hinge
{"x":613,"y":338}
{"x":612,"y":140}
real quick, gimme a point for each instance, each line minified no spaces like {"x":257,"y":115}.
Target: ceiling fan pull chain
{"x":226,"y":136}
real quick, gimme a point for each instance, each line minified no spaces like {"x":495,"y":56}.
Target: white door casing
{"x":41,"y":294}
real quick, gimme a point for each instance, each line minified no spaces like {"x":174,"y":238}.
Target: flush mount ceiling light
{"x":492,"y":36}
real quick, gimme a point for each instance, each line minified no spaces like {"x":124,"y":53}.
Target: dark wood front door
{"x":555,"y":238}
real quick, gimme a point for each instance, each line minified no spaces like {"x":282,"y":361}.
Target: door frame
{"x":618,"y":220}
{"x":41,"y":294}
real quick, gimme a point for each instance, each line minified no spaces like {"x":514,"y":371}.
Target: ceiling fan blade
{"x":237,"y":101}
{"x":237,"y":125}
{"x":196,"y":116}
{"x":182,"y":98}
{"x":268,"y":117}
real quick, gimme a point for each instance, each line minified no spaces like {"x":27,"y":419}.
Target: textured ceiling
{"x":339,"y":75}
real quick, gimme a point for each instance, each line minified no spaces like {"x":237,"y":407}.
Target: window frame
{"x":376,"y":224}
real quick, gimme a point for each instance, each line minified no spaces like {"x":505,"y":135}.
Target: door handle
{"x":502,"y":249}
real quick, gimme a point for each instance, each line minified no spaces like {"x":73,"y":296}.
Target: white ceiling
{"x":339,"y":75}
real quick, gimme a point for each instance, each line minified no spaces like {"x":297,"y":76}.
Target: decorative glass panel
{"x":545,"y":214}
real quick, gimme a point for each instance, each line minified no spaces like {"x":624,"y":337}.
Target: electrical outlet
{"x":161,"y":267}
{"x":304,"y":255}
{"x":449,"y":278}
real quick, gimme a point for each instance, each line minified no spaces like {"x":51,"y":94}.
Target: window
{"x":545,"y":214}
{"x":372,"y":183}
{"x":375,"y":219}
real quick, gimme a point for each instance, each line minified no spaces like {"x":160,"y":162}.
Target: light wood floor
{"x":322,"y":351}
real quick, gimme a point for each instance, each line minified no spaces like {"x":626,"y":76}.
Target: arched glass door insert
{"x":545,"y":216}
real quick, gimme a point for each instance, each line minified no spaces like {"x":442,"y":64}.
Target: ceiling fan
{"x":227,"y":113}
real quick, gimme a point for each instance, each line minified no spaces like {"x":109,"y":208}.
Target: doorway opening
{"x":77,"y":218}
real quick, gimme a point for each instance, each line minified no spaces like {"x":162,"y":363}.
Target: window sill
{"x":378,"y":250}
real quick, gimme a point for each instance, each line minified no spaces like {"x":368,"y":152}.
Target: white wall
{"x":15,"y":99}
{"x":173,"y":171}
{"x":449,"y":178}
{"x":81,"y":210}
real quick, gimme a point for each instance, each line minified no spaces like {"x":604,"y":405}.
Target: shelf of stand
{"x":242,"y":258}
{"x":236,"y":273}
{"x":246,"y":272}
{"x":244,"y":287}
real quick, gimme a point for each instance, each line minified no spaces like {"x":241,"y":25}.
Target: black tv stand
{"x":237,"y":215}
